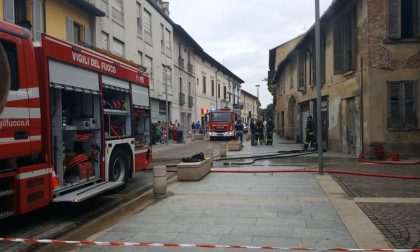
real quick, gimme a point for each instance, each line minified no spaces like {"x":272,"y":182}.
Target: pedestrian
{"x":310,"y":134}
{"x":164,"y":137}
{"x":260,"y":130}
{"x":153,"y":131}
{"x":253,"y":132}
{"x":198,"y":127}
{"x":158,"y":132}
{"x":179,"y":136}
{"x":270,"y":129}
{"x":239,"y":131}
{"x":193,"y":128}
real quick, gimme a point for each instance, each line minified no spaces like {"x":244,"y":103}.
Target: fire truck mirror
{"x":4,"y":77}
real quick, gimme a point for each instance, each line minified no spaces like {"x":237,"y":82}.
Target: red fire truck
{"x":221,"y":124}
{"x":76,"y":123}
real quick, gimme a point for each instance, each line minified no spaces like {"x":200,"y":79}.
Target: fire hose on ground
{"x":294,"y":153}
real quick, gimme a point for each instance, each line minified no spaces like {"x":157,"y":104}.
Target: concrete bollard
{"x":209,"y":154}
{"x":223,"y":149}
{"x":159,"y":181}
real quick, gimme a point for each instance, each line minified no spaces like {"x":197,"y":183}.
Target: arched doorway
{"x":291,"y":118}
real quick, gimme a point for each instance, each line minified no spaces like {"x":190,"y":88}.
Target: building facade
{"x":172,"y":58}
{"x":250,"y":105}
{"x":142,"y":32}
{"x":68,"y":20}
{"x":370,"y":60}
{"x":217,"y":87}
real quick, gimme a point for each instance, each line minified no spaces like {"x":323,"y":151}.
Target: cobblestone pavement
{"x":398,"y":222}
{"x":358,"y":186}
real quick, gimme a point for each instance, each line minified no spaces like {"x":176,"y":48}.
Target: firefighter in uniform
{"x":310,"y":134}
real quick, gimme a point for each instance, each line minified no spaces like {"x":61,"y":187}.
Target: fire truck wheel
{"x":118,"y":166}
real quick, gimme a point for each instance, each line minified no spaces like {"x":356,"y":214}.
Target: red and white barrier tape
{"x":181,"y":245}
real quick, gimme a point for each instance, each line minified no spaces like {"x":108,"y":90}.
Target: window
{"x":204,"y":84}
{"x":12,"y":57}
{"x":301,"y":69}
{"x":139,"y":22}
{"x":212,"y":87}
{"x":224,"y":92}
{"x":180,"y":84}
{"x":9,"y":10}
{"x":313,"y":63}
{"x":403,"y":19}
{"x":345,"y":43}
{"x":37,"y":21}
{"x":168,"y":43}
{"x":77,"y":33}
{"x":218,"y":90}
{"x":105,"y":7}
{"x":105,"y":41}
{"x":162,"y":39}
{"x":147,"y":24}
{"x":118,"y":47}
{"x":402,"y":105}
{"x":140,"y":58}
{"x":189,"y":88}
{"x":148,"y":63}
{"x":167,"y":79}
{"x":118,"y":12}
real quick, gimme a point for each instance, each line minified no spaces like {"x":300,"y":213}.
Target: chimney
{"x":165,"y":7}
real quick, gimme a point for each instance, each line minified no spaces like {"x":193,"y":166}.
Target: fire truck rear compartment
{"x":76,"y":137}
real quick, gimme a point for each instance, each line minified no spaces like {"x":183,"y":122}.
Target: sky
{"x":239,"y":33}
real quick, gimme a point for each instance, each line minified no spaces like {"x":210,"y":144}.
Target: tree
{"x":268,"y":112}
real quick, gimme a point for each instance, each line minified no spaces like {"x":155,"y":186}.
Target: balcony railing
{"x":181,"y":99}
{"x":190,"y":101}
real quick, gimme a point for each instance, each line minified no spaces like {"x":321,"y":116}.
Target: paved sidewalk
{"x":287,"y":210}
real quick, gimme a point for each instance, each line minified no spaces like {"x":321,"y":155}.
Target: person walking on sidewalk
{"x":270,"y":129}
{"x":260,"y":130}
{"x":158,"y":131}
{"x":253,"y":128}
{"x":198,"y":127}
{"x":239,"y":131}
{"x":310,"y":134}
{"x":179,"y":135}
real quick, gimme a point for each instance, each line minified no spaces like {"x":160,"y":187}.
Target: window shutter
{"x":409,"y":105}
{"x":9,"y":10}
{"x":418,"y":18}
{"x":37,"y":21}
{"x":301,"y":70}
{"x":322,"y":57}
{"x":394,"y":19}
{"x":353,"y":41}
{"x":70,"y":30}
{"x":338,"y":46}
{"x":88,"y":39}
{"x":394,"y":103}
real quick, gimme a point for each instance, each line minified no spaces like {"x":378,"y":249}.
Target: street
{"x":252,"y":209}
